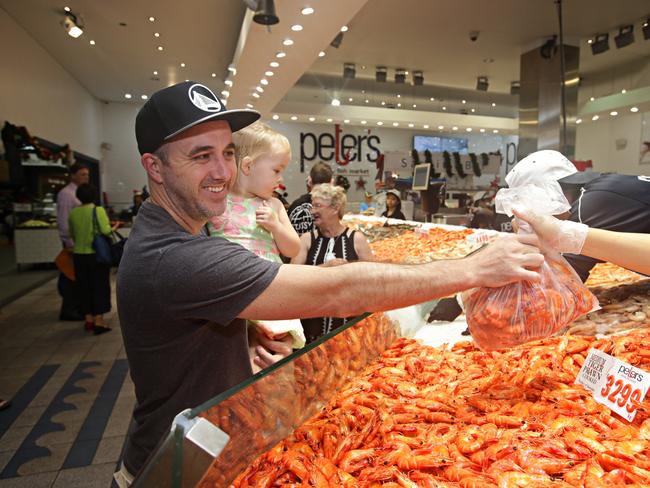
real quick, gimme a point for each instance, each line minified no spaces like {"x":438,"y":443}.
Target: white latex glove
{"x":564,"y":236}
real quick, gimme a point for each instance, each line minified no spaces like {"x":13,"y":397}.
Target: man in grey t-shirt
{"x":182,"y":296}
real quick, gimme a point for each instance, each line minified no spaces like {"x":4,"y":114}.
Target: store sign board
{"x":614,"y":383}
{"x":338,"y":147}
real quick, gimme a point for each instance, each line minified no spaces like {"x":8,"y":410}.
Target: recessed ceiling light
{"x":383,"y":103}
{"x":591,"y":99}
{"x":363,"y":122}
{"x":444,"y":108}
{"x":182,"y":65}
{"x":307,"y":11}
{"x":346,"y":121}
{"x":623,"y":91}
{"x":156,"y":34}
{"x":280,"y":54}
{"x":406,"y":72}
{"x":232,"y":69}
{"x":395,"y":124}
{"x":264,"y":81}
{"x":454,"y":128}
{"x":440,"y":127}
{"x":595,"y":117}
{"x":399,"y":96}
{"x":274,"y":64}
{"x":287,"y":42}
{"x":268,"y":73}
{"x":432,"y":99}
{"x":259,"y":89}
{"x":634,"y":109}
{"x":92,"y":43}
{"x":311,"y":119}
{"x":495,"y":131}
{"x":469,"y":129}
{"x":67,"y":9}
{"x":414,"y":105}
{"x":225,"y":93}
{"x":336,"y":102}
{"x":152,"y":19}
{"x":494,"y":104}
{"x":321,"y":54}
{"x":127,"y":95}
{"x":186,"y":81}
{"x":367,"y":101}
{"x":578,"y":121}
{"x":350,"y":99}
{"x":155,"y":73}
{"x":399,"y":104}
{"x":256,"y":95}
{"x":144,"y":97}
{"x":344,"y":28}
{"x":380,"y":123}
{"x":293,"y":117}
{"x":249,"y":105}
{"x":425,"y":126}
{"x":329,"y":120}
{"x":463,"y":102}
{"x":228,"y":82}
{"x":590,"y":41}
{"x":411,"y":125}
{"x":473,"y":110}
{"x":296,"y":27}
{"x":613,"y":113}
{"x":276,"y":116}
{"x":160,"y":48}
{"x":481,"y":130}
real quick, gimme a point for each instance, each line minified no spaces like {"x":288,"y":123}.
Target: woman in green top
{"x":93,"y":278}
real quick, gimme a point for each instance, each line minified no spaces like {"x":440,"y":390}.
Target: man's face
{"x":81,"y":177}
{"x":199,"y":170}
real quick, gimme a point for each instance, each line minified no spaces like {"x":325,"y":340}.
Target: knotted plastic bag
{"x":525,"y":311}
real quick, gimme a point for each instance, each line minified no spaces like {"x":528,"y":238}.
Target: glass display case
{"x":208,"y":446}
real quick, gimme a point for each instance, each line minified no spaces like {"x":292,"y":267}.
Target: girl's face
{"x":266,"y":174}
{"x":391,"y":201}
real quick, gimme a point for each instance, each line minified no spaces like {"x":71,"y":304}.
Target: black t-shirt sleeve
{"x":210,"y":278}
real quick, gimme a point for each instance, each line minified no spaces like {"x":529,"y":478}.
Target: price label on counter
{"x":614,"y":383}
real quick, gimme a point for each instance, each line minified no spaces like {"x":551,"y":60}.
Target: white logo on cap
{"x":202,"y":97}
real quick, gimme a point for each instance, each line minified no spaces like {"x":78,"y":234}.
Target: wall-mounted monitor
{"x":421,"y":176}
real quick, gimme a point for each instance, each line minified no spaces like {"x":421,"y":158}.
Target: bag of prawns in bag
{"x":525,"y":311}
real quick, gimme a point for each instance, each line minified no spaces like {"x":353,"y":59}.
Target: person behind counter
{"x":330,"y":243}
{"x":183,"y":296}
{"x":300,"y":209}
{"x":93,"y":278}
{"x":393,"y":206}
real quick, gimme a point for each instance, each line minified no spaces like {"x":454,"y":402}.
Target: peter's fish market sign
{"x":340,"y":148}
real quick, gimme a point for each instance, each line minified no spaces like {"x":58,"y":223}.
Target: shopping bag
{"x":108,"y":249}
{"x":520,"y":312}
{"x":65,"y":264}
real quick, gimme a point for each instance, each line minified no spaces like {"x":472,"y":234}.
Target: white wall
{"x":597,"y":141}
{"x":39,"y":94}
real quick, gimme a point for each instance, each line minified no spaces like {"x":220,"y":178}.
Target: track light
{"x":400,"y":75}
{"x":514,"y":88}
{"x":625,"y":36}
{"x":336,"y":42}
{"x":380,"y":74}
{"x":72,"y":24}
{"x":264,"y":11}
{"x":418,"y":78}
{"x":482,"y":83}
{"x":349,"y":71}
{"x":600,"y":44}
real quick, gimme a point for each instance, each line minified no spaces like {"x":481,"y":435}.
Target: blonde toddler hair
{"x":258,"y":139}
{"x":335,"y":195}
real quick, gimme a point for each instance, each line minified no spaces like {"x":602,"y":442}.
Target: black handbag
{"x":108,"y":249}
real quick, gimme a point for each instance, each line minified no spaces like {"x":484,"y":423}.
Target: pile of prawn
{"x":436,"y":417}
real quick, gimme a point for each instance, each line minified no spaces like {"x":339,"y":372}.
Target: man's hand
{"x":561,"y":235}
{"x":508,"y":259}
{"x":266,"y":217}
{"x":270,"y":351}
{"x":334,"y":262}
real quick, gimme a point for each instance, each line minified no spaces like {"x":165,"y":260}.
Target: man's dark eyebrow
{"x":230,"y":146}
{"x":199,"y":149}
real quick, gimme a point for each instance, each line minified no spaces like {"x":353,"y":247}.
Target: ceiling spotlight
{"x":336,"y":42}
{"x":336,"y":102}
{"x":395,"y":124}
{"x":268,"y":73}
{"x":296,"y":27}
{"x":469,"y":129}
{"x":249,"y":105}
{"x":634,"y":109}
{"x":495,"y":131}
{"x":418,"y":78}
{"x":307,"y":11}
{"x":473,"y":110}
{"x":415,"y":105}
{"x":595,"y":117}
{"x":232,"y":69}
{"x":349,"y":71}
{"x":481,"y":130}
{"x":515,"y":86}
{"x":494,"y":104}
{"x":398,"y":95}
{"x":155,"y":73}
{"x":344,"y":28}
{"x":182,"y":65}
{"x":381,"y":73}
{"x":311,"y":119}
{"x":600,"y":44}
{"x":400,"y":75}
{"x":160,"y":48}
{"x":625,"y":36}
{"x":578,"y":121}
{"x":383,"y":102}
{"x":92,"y":43}
{"x":227,"y":82}
{"x":264,"y":81}
{"x":425,"y":126}
{"x":321,"y":54}
{"x":454,"y":128}
{"x":287,"y":42}
{"x":329,"y":120}
{"x":363,"y":122}
{"x":367,"y":101}
{"x":225,"y":93}
{"x":264,"y":11}
{"x":591,"y":99}
{"x":156,"y":34}
{"x":259,"y":89}
{"x":256,"y":95}
{"x":152,"y":19}
{"x":274,"y":64}
{"x":350,"y":99}
{"x":72,"y":24}
{"x":380,"y":123}
{"x":293,"y":117}
{"x":214,"y":75}
{"x":463,"y":102}
{"x":623,"y":91}
{"x":613,"y":113}
{"x":432,"y":99}
{"x":411,"y":125}
{"x":144,"y":97}
{"x":346,"y":121}
{"x":275,"y":117}
{"x":399,"y":105}
{"x":280,"y":54}
{"x":66,"y":9}
{"x":127,"y":96}
{"x":444,"y":108}
{"x":440,"y":127}
{"x":482,"y":83}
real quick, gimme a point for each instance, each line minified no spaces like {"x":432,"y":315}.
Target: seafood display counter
{"x":369,"y":406}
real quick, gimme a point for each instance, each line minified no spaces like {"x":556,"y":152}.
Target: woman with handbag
{"x":86,"y":223}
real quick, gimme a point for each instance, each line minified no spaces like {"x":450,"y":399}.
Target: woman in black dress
{"x":330,"y":243}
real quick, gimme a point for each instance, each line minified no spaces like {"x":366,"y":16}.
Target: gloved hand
{"x":564,"y":236}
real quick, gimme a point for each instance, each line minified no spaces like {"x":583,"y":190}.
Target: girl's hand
{"x":266,"y":217}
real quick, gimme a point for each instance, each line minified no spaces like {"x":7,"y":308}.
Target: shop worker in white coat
{"x":183,"y":296}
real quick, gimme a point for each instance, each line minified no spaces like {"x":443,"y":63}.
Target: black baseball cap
{"x":174,"y":109}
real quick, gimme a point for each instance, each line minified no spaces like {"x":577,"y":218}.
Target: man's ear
{"x":246,"y":165}
{"x":151,"y":165}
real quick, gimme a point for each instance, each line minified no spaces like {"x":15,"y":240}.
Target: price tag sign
{"x":614,"y":383}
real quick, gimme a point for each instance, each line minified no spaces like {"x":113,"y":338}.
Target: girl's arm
{"x":284,"y":235}
{"x":305,"y":242}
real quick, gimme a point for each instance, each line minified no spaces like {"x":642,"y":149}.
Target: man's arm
{"x":311,"y":291}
